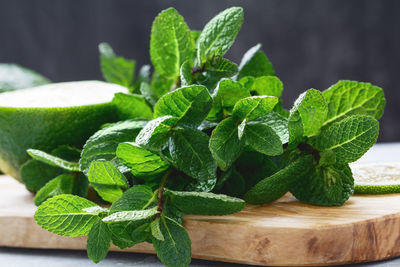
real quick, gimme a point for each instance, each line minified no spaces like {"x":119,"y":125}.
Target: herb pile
{"x":197,"y":137}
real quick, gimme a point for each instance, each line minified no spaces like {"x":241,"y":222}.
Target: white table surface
{"x":385,"y":152}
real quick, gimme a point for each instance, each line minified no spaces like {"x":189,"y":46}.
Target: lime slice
{"x":376,"y":178}
{"x":51,"y":115}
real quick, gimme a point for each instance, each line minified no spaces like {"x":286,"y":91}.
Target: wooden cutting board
{"x":287,"y":232}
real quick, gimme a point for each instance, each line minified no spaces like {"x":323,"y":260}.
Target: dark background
{"x":311,"y":43}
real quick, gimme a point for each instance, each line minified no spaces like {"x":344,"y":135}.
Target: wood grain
{"x":285,"y":233}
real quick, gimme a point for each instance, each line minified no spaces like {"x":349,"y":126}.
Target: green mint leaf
{"x":275,"y":186}
{"x":175,"y":249}
{"x":64,"y":215}
{"x":53,"y":161}
{"x":147,"y":93}
{"x":156,"y":133}
{"x":98,"y":242}
{"x":219,"y":33}
{"x":103,"y":144}
{"x":195,"y":35}
{"x":205,"y":203}
{"x":107,"y":180}
{"x":143,"y":77}
{"x":132,"y":215}
{"x":349,"y":139}
{"x":189,"y":104}
{"x":201,"y":185}
{"x":278,"y":123}
{"x":131,"y":106}
{"x":161,"y":85}
{"x":171,"y":43}
{"x":255,"y":63}
{"x":172,"y":212}
{"x":225,"y":145}
{"x":141,"y":161}
{"x":186,"y":73}
{"x":262,"y":138}
{"x":241,"y":128}
{"x":155,"y":230}
{"x":126,"y":234}
{"x":225,"y":97}
{"x":67,"y":153}
{"x":63,"y":184}
{"x":325,"y":186}
{"x":13,"y":76}
{"x":116,"y":69}
{"x":251,"y":108}
{"x":188,"y":149}
{"x":327,"y":158}
{"x":137,"y":197}
{"x":264,"y":85}
{"x":307,"y":116}
{"x":140,"y":234}
{"x":221,"y":67}
{"x":347,"y":98}
{"x":35,"y":174}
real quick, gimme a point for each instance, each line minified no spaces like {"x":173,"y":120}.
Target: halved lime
{"x":376,"y":178}
{"x":51,"y":115}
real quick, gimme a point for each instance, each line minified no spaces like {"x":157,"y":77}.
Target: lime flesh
{"x":48,"y":116}
{"x":376,"y":178}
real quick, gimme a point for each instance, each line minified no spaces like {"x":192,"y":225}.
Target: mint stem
{"x":161,"y":191}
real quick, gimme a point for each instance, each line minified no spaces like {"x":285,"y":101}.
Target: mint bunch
{"x":197,"y":136}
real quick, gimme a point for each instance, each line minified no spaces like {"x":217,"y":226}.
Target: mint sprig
{"x":196,"y":137}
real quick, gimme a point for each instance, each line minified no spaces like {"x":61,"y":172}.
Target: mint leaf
{"x":13,"y":76}
{"x":221,"y":67}
{"x":141,"y":161}
{"x":137,"y":197}
{"x":171,"y":43}
{"x":175,"y":249}
{"x":35,"y":174}
{"x":219,"y":33}
{"x":189,"y":104}
{"x":155,"y":230}
{"x":263,"y":139}
{"x":255,"y":63}
{"x":325,"y":186}
{"x":186,"y":73}
{"x":64,"y":215}
{"x":116,"y":69}
{"x":327,"y":158}
{"x":347,"y":98}
{"x":263,"y":85}
{"x":140,"y":234}
{"x":107,"y":180}
{"x":62,"y":184}
{"x":161,"y":85}
{"x":131,"y":106}
{"x":53,"y":161}
{"x":103,"y":144}
{"x":98,"y":242}
{"x":132,"y":215}
{"x":205,"y":203}
{"x":67,"y":153}
{"x":188,"y":149}
{"x":251,"y":108}
{"x":278,"y":123}
{"x":225,"y":97}
{"x":143,"y":77}
{"x":225,"y":145}
{"x":156,"y":133}
{"x":147,"y":93}
{"x":275,"y":186}
{"x":307,"y":115}
{"x":349,"y":139}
